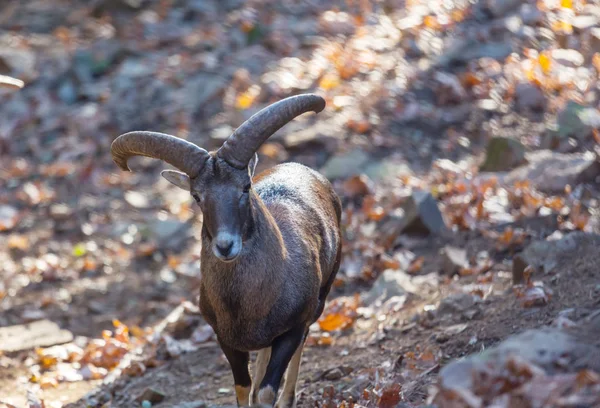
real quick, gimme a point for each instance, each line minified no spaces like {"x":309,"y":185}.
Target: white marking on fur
{"x":243,"y":395}
{"x":260,"y":368}
{"x":288,"y":395}
{"x":266,"y":395}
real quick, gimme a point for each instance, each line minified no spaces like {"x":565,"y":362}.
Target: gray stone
{"x":345,"y":164}
{"x":152,"y":395}
{"x":454,"y":259}
{"x":387,"y":169}
{"x":389,"y":284}
{"x":8,"y":217}
{"x":568,"y":58}
{"x":584,"y":22}
{"x":465,"y":50}
{"x":595,"y":40}
{"x":42,"y":333}
{"x":459,"y":303}
{"x":498,"y":8}
{"x":503,"y":154}
{"x":200,"y":90}
{"x":191,"y":404}
{"x":577,"y":121}
{"x":549,"y":349}
{"x":550,"y":171}
{"x":530,"y":14}
{"x":170,"y":233}
{"x":544,"y":256}
{"x":137,"y":199}
{"x":96,"y":61}
{"x":422,"y":215}
{"x":529,"y":97}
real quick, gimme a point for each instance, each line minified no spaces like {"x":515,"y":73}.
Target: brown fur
{"x":279,"y":279}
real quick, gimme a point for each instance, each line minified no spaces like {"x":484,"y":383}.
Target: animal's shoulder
{"x":289,"y":180}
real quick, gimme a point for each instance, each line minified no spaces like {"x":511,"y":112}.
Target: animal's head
{"x":221,"y":181}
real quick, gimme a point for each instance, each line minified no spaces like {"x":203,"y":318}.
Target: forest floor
{"x":462,"y":138}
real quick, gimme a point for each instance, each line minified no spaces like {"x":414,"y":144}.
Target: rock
{"x":18,"y":62}
{"x":345,"y":164}
{"x":498,"y":8}
{"x":584,"y":22}
{"x":201,"y":89}
{"x":96,"y":61}
{"x":464,"y":50}
{"x":135,"y":68}
{"x":333,"y":374}
{"x":337,"y":23}
{"x":577,"y":121}
{"x":9,"y":217}
{"x":137,"y":199}
{"x":389,"y":284}
{"x":151,"y":395}
{"x":529,"y":97}
{"x":191,"y":404}
{"x":42,"y":333}
{"x":422,"y":215}
{"x":170,"y":232}
{"x":540,"y":352}
{"x":530,"y":14}
{"x":551,"y":172}
{"x":464,"y":304}
{"x":594,"y":40}
{"x":569,"y":58}
{"x":111,"y":6}
{"x":221,"y":133}
{"x":454,"y":259}
{"x":503,"y":154}
{"x":545,"y":255}
{"x":387,"y":169}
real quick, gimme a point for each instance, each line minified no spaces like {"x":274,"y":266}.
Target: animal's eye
{"x":196,"y":197}
{"x":247,"y":188}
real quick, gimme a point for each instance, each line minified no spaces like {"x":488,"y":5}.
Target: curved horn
{"x":179,"y":153}
{"x":240,"y":147}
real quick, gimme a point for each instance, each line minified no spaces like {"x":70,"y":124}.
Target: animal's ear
{"x":252,"y":165}
{"x":178,"y":178}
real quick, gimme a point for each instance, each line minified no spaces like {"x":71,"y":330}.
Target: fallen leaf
{"x":334,"y":321}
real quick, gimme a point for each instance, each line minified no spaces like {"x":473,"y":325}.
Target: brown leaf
{"x":390,"y":396}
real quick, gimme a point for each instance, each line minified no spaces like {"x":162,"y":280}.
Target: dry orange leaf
{"x":17,"y":241}
{"x":329,"y":81}
{"x":335,"y":321}
{"x":566,"y":4}
{"x":431,"y":22}
{"x":359,"y":126}
{"x":545,"y":63}
{"x":596,"y":61}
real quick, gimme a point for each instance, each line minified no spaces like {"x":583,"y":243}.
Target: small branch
{"x":10,"y":82}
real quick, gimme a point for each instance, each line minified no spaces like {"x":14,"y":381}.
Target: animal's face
{"x":223,"y":194}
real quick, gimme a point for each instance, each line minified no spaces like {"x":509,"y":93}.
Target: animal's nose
{"x":224,"y":247}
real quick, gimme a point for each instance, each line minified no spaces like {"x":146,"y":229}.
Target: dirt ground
{"x":416,"y":91}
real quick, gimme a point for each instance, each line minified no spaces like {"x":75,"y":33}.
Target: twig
{"x":11,"y":82}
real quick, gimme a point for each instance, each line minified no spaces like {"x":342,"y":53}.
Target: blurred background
{"x":460,"y":135}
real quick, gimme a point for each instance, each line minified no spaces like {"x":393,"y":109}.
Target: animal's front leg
{"x":288,"y":395}
{"x":238,"y":360}
{"x":282,"y":350}
{"x":259,"y":372}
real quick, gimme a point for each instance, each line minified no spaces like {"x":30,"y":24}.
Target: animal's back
{"x":297,"y":194}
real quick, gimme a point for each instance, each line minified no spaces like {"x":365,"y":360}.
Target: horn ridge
{"x":240,"y":147}
{"x":178,"y":152}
